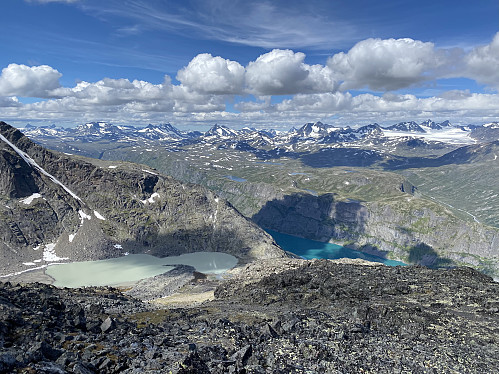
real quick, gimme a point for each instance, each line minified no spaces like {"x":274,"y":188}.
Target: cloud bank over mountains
{"x":370,"y":82}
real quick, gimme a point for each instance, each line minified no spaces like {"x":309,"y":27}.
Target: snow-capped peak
{"x":492,"y":125}
{"x":221,"y":131}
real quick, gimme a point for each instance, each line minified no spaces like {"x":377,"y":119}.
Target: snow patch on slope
{"x":151,"y":199}
{"x":99,"y":216}
{"x":33,"y":163}
{"x":30,"y":199}
{"x":84,"y":215}
{"x":49,"y":254}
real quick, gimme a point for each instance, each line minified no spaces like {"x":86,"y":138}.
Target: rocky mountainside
{"x":56,"y":207}
{"x":413,"y":231}
{"x":279,"y":316}
{"x":406,"y":126}
{"x":487,"y":132}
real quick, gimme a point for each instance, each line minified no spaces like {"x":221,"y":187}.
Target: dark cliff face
{"x":90,"y":209}
{"x":313,"y":217}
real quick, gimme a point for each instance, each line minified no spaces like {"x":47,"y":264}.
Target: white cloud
{"x":212,"y":75}
{"x":386,"y":64}
{"x":283,"y":72}
{"x":345,"y":108}
{"x":115,"y":91}
{"x":208,"y":83}
{"x":323,"y":103}
{"x":279,"y":72}
{"x":390,"y":108}
{"x":254,"y":106}
{"x":22,"y":80}
{"x":187,"y":101}
{"x":482,"y":63}
{"x":9,"y":102}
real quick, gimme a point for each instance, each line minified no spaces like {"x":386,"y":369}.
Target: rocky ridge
{"x":295,"y":316}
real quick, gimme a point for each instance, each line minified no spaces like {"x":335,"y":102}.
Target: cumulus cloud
{"x":456,"y":94}
{"x":212,"y":75}
{"x":254,"y":106}
{"x":22,"y":80}
{"x":482,"y":63}
{"x":9,"y":102}
{"x":470,"y":107}
{"x":324,"y":103}
{"x":388,"y":64}
{"x":116,"y":91}
{"x":208,"y":83}
{"x":188,"y":101}
{"x":283,"y":72}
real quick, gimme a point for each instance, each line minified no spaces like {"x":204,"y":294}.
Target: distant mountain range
{"x":310,"y":132}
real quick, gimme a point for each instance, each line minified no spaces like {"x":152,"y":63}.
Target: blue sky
{"x":261,"y":63}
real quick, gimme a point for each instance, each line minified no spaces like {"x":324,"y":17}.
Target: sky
{"x":264,"y":64}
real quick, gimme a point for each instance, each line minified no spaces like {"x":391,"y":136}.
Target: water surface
{"x":132,"y":268}
{"x":235,"y":179}
{"x":310,"y":249}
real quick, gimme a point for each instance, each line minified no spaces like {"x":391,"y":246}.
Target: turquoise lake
{"x":310,"y":249}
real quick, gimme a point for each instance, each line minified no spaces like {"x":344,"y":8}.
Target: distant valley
{"x":415,"y":192}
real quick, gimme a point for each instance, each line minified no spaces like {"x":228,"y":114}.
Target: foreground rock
{"x":314,"y":317}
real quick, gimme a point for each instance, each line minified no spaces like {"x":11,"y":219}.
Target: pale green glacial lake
{"x":132,"y":268}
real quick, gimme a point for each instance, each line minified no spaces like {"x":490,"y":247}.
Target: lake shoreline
{"x":126,"y":270}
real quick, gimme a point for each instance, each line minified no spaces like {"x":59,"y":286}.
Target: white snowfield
{"x":30,"y":199}
{"x":33,"y":163}
{"x":151,"y":199}
{"x":452,"y":135}
{"x":49,"y":254}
